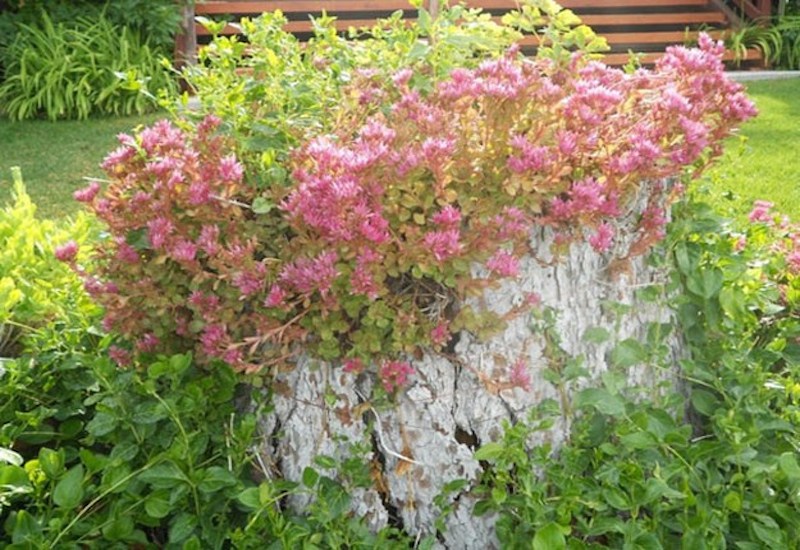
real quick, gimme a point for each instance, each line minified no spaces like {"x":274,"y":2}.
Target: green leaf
{"x":262,"y":205}
{"x":25,"y":528}
{"x":638,"y":440}
{"x":163,"y":476}
{"x":103,"y":423}
{"x":327,"y":462}
{"x":596,"y":335}
{"x":182,"y":527}
{"x":157,"y":505}
{"x":769,"y":533}
{"x":14,"y":477}
{"x":490,"y":451}
{"x":120,"y":529}
{"x":250,"y":498}
{"x":628,"y":353}
{"x":51,"y":462}
{"x":549,"y":537}
{"x":68,"y":492}
{"x":788,"y":464}
{"x":215,"y":478}
{"x":310,"y":477}
{"x":733,"y":502}
{"x":704,"y":402}
{"x":705,"y":283}
{"x":601,"y":400}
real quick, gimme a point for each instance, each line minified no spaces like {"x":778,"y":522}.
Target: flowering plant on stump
{"x":418,"y":200}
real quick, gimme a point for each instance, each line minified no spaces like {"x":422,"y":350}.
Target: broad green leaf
{"x":549,"y":537}
{"x":600,"y":399}
{"x":704,"y":401}
{"x":51,"y":462}
{"x":310,"y":477}
{"x":490,"y":451}
{"x":163,"y":476}
{"x":157,"y":505}
{"x":628,"y":353}
{"x":103,"y":423}
{"x":788,"y":464}
{"x":596,"y":335}
{"x":182,"y":527}
{"x":25,"y":527}
{"x":68,"y":492}
{"x":705,"y":283}
{"x":250,"y":498}
{"x":215,"y":478}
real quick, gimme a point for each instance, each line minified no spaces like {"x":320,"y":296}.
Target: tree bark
{"x":457,"y":402}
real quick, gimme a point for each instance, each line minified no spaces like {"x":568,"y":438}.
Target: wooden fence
{"x":642,"y":26}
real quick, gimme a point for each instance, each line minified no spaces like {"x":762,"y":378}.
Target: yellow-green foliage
{"x":35,"y":288}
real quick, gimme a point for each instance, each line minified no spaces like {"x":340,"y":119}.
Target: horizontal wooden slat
{"x":595,"y":4}
{"x":316,"y":6}
{"x":685,"y":19}
{"x":679,"y":18}
{"x":297,"y":6}
{"x":649,"y":58}
{"x":644,"y":37}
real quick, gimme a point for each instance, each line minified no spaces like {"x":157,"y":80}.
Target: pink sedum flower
{"x":184,"y":251}
{"x":353,"y":366}
{"x":443,"y":244}
{"x":88,"y":193}
{"x":276,"y":297}
{"x":761,"y":212}
{"x":230,"y":170}
{"x":159,"y":229}
{"x":449,"y":216}
{"x":520,"y":375}
{"x":67,"y":252}
{"x":504,"y":264}
{"x":120,"y":356}
{"x":394,"y":374}
{"x":602,"y":240}
{"x":440,"y":334}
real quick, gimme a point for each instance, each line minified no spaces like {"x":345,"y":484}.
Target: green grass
{"x":764,"y":162}
{"x":55,"y":156}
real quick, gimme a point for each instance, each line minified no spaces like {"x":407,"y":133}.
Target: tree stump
{"x":458,"y":401}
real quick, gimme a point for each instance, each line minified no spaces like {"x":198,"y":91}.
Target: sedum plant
{"x":390,"y":206}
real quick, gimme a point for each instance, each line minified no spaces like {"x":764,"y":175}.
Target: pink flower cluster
{"x":396,"y":207}
{"x":394,"y":375}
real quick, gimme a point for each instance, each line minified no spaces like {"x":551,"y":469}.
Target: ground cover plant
{"x":160,"y":453}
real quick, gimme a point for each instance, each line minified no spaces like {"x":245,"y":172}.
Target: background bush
{"x":72,"y":70}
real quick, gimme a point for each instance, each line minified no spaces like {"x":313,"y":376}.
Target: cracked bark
{"x":446,"y":400}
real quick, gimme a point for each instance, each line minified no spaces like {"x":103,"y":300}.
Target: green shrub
{"x":35,"y":288}
{"x":73,"y":70}
{"x":640,"y":475}
{"x":155,"y":20}
{"x":108,"y":457}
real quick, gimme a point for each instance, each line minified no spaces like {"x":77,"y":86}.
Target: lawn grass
{"x":764,"y":162}
{"x":55,"y":156}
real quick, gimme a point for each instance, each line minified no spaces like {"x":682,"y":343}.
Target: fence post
{"x":186,"y":39}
